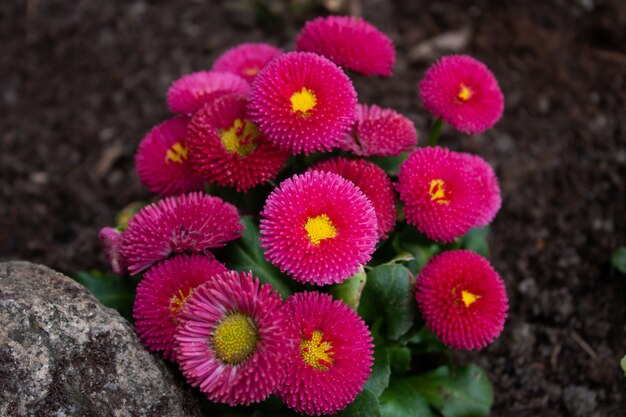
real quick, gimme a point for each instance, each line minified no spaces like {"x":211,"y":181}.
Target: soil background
{"x":82,"y":82}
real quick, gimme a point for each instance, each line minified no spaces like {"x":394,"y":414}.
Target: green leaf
{"x":399,"y":359}
{"x":379,"y":379}
{"x":111,"y":290}
{"x":364,"y":405}
{"x":426,"y":341}
{"x":465,"y":392}
{"x":389,"y":293}
{"x":402,"y":400}
{"x":476,"y":241}
{"x":391,"y":164}
{"x":622,"y":363}
{"x":618,"y":259}
{"x":351,"y":289}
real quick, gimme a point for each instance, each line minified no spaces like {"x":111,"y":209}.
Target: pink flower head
{"x":350,"y":42}
{"x":189,"y":93}
{"x":229,"y":149}
{"x":318,"y":227}
{"x":462,"y":299}
{"x":375,"y":184}
{"x":490,"y":186}
{"x":232,"y":339}
{"x":111,"y":241}
{"x":247,"y":59}
{"x":162,"y":160}
{"x":463,"y":92}
{"x":303,"y":102}
{"x":380,"y":132}
{"x":333,"y":359}
{"x":163,"y":292}
{"x":442,"y":194}
{"x":189,"y":223}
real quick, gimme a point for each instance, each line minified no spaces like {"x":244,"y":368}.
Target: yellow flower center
{"x":465,"y":93}
{"x":469,"y":298}
{"x":316,"y":353}
{"x":303,"y":102}
{"x":235,"y":339}
{"x":177,"y":153}
{"x":177,"y":302}
{"x":319,"y":228}
{"x":240,"y":138}
{"x":437,"y":191}
{"x":251,"y":71}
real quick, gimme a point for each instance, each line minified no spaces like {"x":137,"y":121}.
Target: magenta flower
{"x":189,"y":93}
{"x":350,"y":42}
{"x":463,"y":92}
{"x":442,"y":195}
{"x":380,"y":132}
{"x":162,"y":160}
{"x":333,"y":359}
{"x":247,"y":59}
{"x":491,"y":189}
{"x":303,"y":102}
{"x":111,"y":241}
{"x":462,"y":299}
{"x":318,"y":227}
{"x":161,"y":295}
{"x":189,"y":223}
{"x":375,"y":184}
{"x":232,"y":339}
{"x":228,"y":149}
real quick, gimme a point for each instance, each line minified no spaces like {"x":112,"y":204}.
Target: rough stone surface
{"x":64,"y":354}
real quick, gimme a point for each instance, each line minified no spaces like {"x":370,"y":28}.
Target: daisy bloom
{"x":463,"y":92}
{"x":490,"y":186}
{"x":380,"y":132}
{"x":350,"y":42}
{"x":111,"y":241}
{"x":189,"y":223}
{"x":375,"y":184}
{"x":161,"y":295}
{"x":189,"y":93}
{"x":162,"y":161}
{"x":232,"y":339}
{"x":318,"y":227}
{"x":442,"y":195}
{"x":228,"y":149}
{"x":462,"y":299}
{"x":333,"y":358}
{"x":303,"y":102}
{"x":247,"y":59}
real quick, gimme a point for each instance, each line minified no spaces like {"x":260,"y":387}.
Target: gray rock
{"x":64,"y":354}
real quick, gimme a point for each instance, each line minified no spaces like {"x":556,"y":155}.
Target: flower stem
{"x":433,"y":137}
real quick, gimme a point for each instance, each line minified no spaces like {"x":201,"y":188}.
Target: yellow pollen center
{"x":303,"y":101}
{"x":316,"y":353}
{"x":251,"y":71}
{"x":319,"y":228}
{"x":437,"y":191}
{"x":177,"y":153}
{"x":465,"y":93}
{"x":240,"y":138}
{"x":177,"y":302}
{"x":469,"y":298}
{"x":235,"y":339}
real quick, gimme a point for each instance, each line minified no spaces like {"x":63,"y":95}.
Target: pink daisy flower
{"x":442,"y":195}
{"x":463,"y":92}
{"x":462,"y":299}
{"x":375,"y":184}
{"x":232,"y":339}
{"x":228,"y":149}
{"x":491,"y":188}
{"x":318,"y":227}
{"x":189,"y":223}
{"x":162,"y":161}
{"x":161,"y":295}
{"x":350,"y":42}
{"x":247,"y":59}
{"x":111,"y":241}
{"x":380,"y":132}
{"x":189,"y":93}
{"x":333,"y":359}
{"x":303,"y":102}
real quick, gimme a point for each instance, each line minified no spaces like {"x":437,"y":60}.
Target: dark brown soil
{"x":83,"y":81}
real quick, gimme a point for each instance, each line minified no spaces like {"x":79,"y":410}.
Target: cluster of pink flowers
{"x":236,"y":126}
